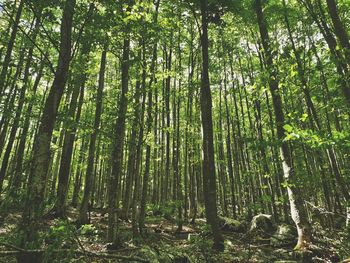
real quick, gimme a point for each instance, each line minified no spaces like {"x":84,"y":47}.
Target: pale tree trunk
{"x":298,"y":211}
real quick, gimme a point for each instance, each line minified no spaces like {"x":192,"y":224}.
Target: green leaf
{"x":287,"y":128}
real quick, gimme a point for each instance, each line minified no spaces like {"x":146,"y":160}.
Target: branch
{"x":112,"y":256}
{"x":17,"y":251}
{"x":80,"y":32}
{"x":30,"y":39}
{"x":322,"y":210}
{"x":11,"y":246}
{"x":53,"y":42}
{"x":196,"y":19}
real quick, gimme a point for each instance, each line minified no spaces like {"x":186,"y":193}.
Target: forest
{"x":174,"y":131}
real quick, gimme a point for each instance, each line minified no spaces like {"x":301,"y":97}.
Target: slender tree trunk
{"x":167,"y":113}
{"x":298,"y":212}
{"x":339,"y":29}
{"x":228,"y":149}
{"x":18,"y":162}
{"x":74,"y":113}
{"x":9,"y":103}
{"x":10,"y":44}
{"x":209,"y":178}
{"x":34,"y":205}
{"x":149,"y":122}
{"x":83,"y":212}
{"x":79,"y":172}
{"x":117,"y":153}
{"x":138,"y":188}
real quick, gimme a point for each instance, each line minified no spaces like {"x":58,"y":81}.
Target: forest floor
{"x":162,"y":242}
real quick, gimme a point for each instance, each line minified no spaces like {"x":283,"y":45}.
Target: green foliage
{"x":307,"y":64}
{"x":88,"y":229}
{"x":315,"y":139}
{"x":150,"y":254}
{"x":60,"y":236}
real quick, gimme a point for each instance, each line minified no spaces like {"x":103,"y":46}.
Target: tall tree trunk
{"x":229,"y":152}
{"x":34,"y":205}
{"x":20,"y":105}
{"x":138,"y":170}
{"x":18,"y":162}
{"x":149,"y":122}
{"x":83,"y":212}
{"x":167,"y":113}
{"x":298,"y":212}
{"x":10,"y":44}
{"x":209,"y":178}
{"x":74,"y":113}
{"x":118,"y":148}
{"x":339,"y":29}
{"x":79,"y":172}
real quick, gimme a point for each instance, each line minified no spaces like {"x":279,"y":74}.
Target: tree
{"x":298,"y":212}
{"x":209,"y":179}
{"x":117,"y":153}
{"x":34,"y":207}
{"x":83,"y":212}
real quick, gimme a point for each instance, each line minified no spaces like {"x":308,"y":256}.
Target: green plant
{"x":87,"y":229}
{"x":59,"y":236}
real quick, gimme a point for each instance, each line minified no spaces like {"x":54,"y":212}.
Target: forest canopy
{"x":174,"y":131}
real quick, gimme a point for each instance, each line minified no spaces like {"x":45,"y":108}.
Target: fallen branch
{"x":322,"y":210}
{"x":12,"y":246}
{"x":112,"y":256}
{"x":17,"y":251}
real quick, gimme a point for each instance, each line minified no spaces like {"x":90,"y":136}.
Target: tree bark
{"x":74,"y":113}
{"x":34,"y":205}
{"x":339,"y":29}
{"x":118,"y":152}
{"x":209,"y":178}
{"x":83,"y":212}
{"x":10,"y":44}
{"x":149,"y":122}
{"x":298,"y":212}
